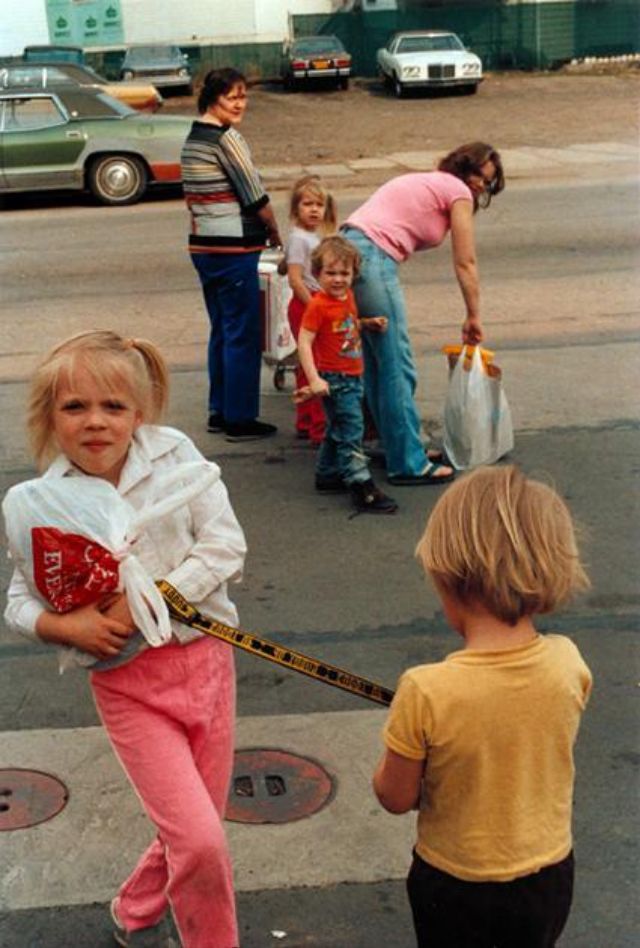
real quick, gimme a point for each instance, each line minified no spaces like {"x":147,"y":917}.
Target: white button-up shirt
{"x":199,"y":548}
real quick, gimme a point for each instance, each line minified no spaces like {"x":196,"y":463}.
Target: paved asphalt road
{"x":559,"y":263}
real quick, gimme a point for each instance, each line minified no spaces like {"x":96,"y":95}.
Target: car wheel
{"x":343,"y":83}
{"x":471,"y":89}
{"x":398,"y":87}
{"x":118,"y":179}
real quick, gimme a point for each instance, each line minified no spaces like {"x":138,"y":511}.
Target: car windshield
{"x":317,"y":44}
{"x":41,"y":76}
{"x":145,"y":54}
{"x":429,"y":44}
{"x":32,"y":77}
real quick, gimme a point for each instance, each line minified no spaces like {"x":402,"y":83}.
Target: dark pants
{"x":232,"y":296}
{"x":529,"y":912}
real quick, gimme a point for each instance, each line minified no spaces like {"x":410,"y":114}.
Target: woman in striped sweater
{"x":231,"y":222}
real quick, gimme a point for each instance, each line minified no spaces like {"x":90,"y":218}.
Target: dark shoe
{"x":158,"y":936}
{"x":215,"y":423}
{"x":249,"y":430}
{"x":430,"y":475}
{"x":331,"y":485}
{"x":367,"y":498}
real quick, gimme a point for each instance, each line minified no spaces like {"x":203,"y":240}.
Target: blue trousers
{"x":390,"y":374}
{"x":341,"y":453}
{"x":232,"y":297}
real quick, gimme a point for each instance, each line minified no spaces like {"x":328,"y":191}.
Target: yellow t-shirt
{"x":496,"y":730}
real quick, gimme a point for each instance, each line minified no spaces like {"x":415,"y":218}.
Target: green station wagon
{"x":81,"y":139}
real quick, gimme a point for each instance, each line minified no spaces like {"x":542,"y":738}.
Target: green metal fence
{"x":505,"y":36}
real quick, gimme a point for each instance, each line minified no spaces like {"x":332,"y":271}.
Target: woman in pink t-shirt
{"x":409,"y":213}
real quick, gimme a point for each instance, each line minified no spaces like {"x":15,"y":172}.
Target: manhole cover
{"x":272,"y":786}
{"x":28,"y":797}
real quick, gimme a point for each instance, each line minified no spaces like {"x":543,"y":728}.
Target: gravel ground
{"x":510,"y":110}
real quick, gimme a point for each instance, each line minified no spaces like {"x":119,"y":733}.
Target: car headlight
{"x":410,"y":72}
{"x":470,"y":69}
{"x":183,"y":73}
{"x":127,"y":74}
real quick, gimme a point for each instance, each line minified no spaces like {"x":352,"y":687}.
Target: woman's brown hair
{"x":467,"y":160}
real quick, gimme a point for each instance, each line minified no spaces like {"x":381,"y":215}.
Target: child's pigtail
{"x":158,"y":376}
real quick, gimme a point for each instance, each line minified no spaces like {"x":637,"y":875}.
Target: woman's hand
{"x":472,"y":332}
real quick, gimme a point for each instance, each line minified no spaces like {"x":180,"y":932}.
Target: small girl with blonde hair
{"x":95,"y":403}
{"x":312,"y":211}
{"x":481,"y":744}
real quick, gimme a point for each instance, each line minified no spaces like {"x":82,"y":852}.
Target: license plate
{"x":321,"y":64}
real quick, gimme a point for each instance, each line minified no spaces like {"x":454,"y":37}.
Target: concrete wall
{"x":22,"y":23}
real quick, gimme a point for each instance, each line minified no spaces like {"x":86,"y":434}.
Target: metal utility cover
{"x":274,"y":786}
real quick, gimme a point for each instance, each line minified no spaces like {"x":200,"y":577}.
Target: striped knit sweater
{"x":223,"y":191}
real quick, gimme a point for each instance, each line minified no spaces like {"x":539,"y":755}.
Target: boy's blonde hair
{"x":112,"y":361}
{"x":337,"y":248}
{"x":506,"y":542}
{"x":312,"y":184}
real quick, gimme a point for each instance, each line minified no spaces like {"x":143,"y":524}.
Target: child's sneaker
{"x":330,"y":485}
{"x":367,"y":498}
{"x":156,"y":936}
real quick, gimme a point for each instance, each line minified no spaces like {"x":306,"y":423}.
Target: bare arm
{"x":268,"y":218}
{"x":305,"y":352}
{"x":297,"y":284}
{"x":466,"y":268}
{"x":397,"y":782}
{"x":88,"y":629}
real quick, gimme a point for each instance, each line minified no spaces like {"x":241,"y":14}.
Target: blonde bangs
{"x":113,"y":363}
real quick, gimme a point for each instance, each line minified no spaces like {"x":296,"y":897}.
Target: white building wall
{"x":222,"y":21}
{"x":22,"y":24}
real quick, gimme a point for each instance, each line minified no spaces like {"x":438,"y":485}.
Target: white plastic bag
{"x":477,"y":419}
{"x":275,"y":294}
{"x":74,"y":541}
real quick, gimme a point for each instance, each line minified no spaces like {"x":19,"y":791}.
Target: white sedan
{"x":428,"y":59}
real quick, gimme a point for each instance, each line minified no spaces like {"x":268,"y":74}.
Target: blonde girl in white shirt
{"x":169,"y":711}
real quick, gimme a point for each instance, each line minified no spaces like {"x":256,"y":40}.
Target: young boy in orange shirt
{"x":330,"y":352}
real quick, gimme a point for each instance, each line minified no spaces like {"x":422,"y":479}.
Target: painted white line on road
{"x":82,"y":855}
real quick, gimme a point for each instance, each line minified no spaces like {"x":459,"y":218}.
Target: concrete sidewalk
{"x":526,"y":162}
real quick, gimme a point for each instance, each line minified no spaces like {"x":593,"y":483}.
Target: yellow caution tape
{"x":183,"y":611}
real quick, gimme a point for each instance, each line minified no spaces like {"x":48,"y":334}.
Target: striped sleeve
{"x":235,"y":158}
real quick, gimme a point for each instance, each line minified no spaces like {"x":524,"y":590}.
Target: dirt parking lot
{"x":510,"y":110}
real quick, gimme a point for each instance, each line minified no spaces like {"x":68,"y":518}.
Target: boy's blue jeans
{"x":341,"y":453}
{"x":390,"y":374}
{"x":232,"y":296}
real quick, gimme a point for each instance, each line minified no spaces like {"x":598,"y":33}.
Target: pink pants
{"x":170,"y":717}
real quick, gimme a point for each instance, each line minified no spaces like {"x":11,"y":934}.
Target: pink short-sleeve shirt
{"x":410,"y":212}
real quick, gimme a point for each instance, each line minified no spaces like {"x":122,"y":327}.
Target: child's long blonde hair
{"x":112,"y":361}
{"x":312,"y":184}
{"x":503,"y":541}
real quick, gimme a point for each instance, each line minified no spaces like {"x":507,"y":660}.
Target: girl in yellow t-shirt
{"x":481,"y":744}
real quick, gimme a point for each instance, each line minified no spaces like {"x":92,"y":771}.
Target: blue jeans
{"x":232,"y":296}
{"x":390,"y":374}
{"x":341,"y":453}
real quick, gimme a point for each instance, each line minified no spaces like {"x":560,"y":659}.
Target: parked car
{"x":165,"y":66}
{"x":429,"y":59}
{"x":318,"y":58}
{"x":76,"y":138}
{"x":139,"y":95}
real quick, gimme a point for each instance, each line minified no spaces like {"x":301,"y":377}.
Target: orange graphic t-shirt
{"x":337,"y":346}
